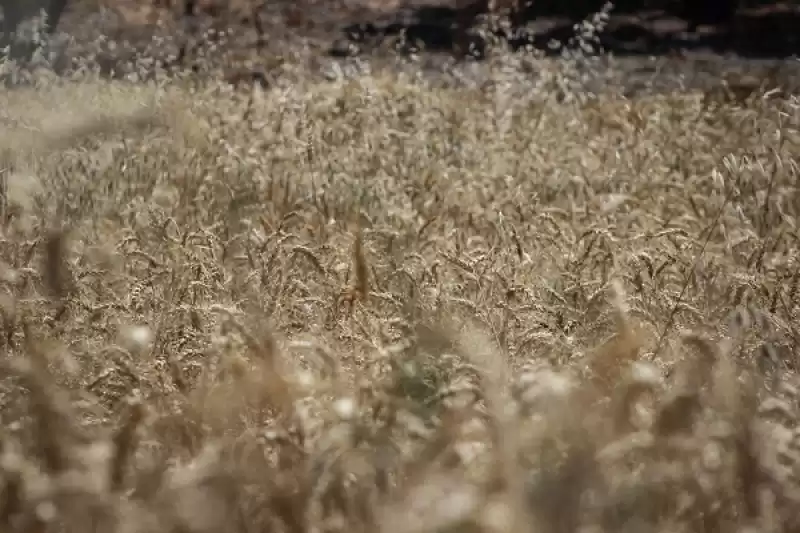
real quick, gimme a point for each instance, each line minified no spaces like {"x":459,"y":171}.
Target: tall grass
{"x":375,"y":303}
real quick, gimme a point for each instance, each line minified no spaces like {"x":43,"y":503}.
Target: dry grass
{"x":376,"y":304}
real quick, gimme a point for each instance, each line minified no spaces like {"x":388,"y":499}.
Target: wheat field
{"x":369,"y":302}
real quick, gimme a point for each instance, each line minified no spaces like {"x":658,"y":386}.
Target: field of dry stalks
{"x":369,"y":303}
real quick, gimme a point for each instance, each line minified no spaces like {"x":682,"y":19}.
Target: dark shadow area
{"x":771,"y":30}
{"x":16,"y":12}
